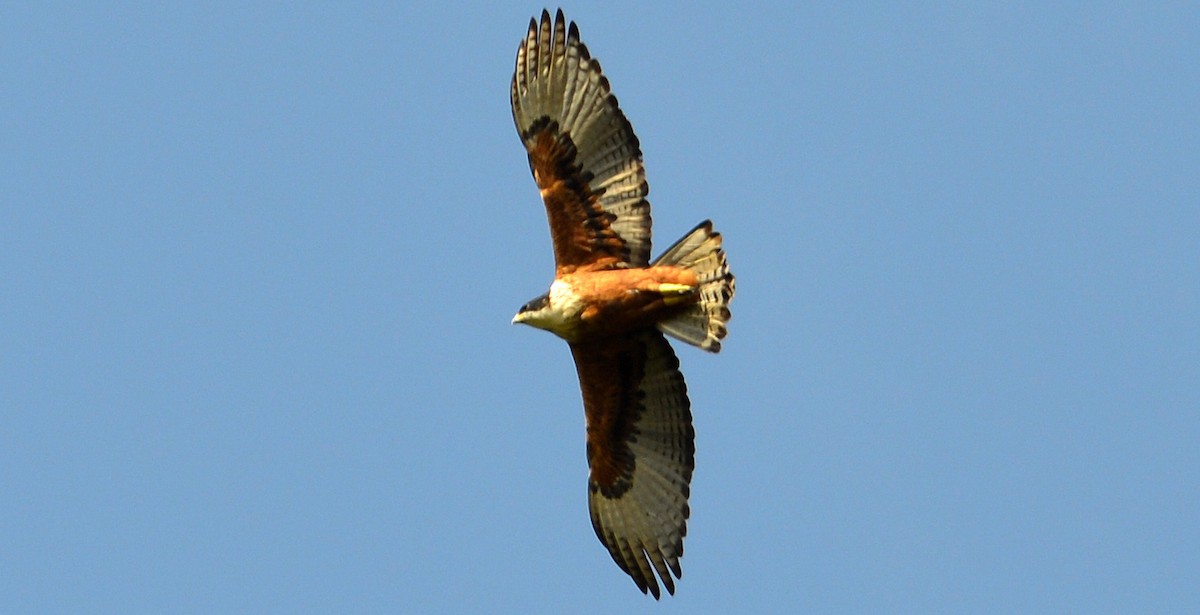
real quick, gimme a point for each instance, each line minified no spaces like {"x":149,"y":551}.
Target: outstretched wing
{"x":641,"y":452}
{"x":582,"y":151}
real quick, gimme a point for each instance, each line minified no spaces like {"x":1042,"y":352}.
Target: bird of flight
{"x":612,"y":304}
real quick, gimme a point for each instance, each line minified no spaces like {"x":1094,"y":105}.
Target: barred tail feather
{"x":702,"y":324}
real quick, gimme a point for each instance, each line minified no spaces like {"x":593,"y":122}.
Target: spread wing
{"x":641,"y":451}
{"x":582,"y":151}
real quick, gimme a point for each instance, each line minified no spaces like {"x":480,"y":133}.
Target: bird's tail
{"x":703,"y":323}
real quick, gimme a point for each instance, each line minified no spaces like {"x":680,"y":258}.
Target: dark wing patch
{"x":641,"y":452}
{"x":580,"y":229}
{"x":582,"y":150}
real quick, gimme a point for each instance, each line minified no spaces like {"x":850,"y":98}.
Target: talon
{"x":675,"y":293}
{"x":675,"y":289}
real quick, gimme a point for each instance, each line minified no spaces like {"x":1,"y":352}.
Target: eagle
{"x":612,"y":304}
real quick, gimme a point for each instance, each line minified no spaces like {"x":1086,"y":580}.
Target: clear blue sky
{"x":257,"y":267}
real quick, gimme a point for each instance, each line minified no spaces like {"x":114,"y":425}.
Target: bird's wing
{"x":582,"y":151}
{"x":641,"y":451}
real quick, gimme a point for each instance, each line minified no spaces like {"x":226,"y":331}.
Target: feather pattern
{"x":702,"y":324}
{"x":641,"y":453}
{"x":576,"y":134}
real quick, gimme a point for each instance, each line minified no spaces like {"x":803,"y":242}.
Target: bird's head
{"x":557,"y":311}
{"x":535,"y":313}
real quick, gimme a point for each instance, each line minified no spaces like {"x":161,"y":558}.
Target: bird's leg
{"x":675,"y":293}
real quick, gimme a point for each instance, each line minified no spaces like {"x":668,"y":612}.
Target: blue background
{"x":258,"y":262}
